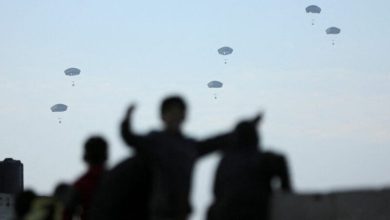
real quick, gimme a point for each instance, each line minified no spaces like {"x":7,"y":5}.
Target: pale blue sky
{"x":327,"y":107}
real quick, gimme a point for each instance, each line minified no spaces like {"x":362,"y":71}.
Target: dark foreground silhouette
{"x":244,"y":178}
{"x":155,"y":184}
{"x":23,"y":204}
{"x":171,"y":156}
{"x":95,"y":156}
{"x":124,"y":192}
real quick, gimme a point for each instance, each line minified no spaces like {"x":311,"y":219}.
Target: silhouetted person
{"x":23,"y":203}
{"x":67,"y":196}
{"x":172,"y":156}
{"x":245,"y":176}
{"x":124,"y":192}
{"x":95,"y":155}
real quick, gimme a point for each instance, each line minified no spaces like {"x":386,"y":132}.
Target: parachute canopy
{"x":72,"y":71}
{"x":225,"y":50}
{"x":313,"y":9}
{"x":215,"y":84}
{"x":59,"y":108}
{"x":333,"y":30}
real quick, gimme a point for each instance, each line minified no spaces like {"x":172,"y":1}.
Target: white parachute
{"x":224,"y":51}
{"x":313,"y":9}
{"x":333,"y":31}
{"x":72,"y":72}
{"x":59,"y":108}
{"x":215,"y":85}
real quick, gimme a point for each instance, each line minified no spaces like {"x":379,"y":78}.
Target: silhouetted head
{"x":63,"y":192}
{"x":246,"y":134}
{"x":95,"y":151}
{"x":23,"y":203}
{"x":173,"y":113}
{"x":67,"y":195}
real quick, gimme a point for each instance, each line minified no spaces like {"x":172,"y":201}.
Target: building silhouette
{"x":11,"y":176}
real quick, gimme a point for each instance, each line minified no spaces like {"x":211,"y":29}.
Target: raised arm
{"x":225,"y":141}
{"x":218,"y":142}
{"x":132,"y":140}
{"x":284,"y":175}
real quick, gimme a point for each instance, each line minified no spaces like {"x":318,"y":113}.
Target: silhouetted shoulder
{"x":163,"y":137}
{"x":273,"y":156}
{"x":273,"y":159}
{"x":278,"y":167}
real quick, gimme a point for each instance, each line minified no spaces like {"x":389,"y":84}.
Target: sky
{"x":326,"y":107}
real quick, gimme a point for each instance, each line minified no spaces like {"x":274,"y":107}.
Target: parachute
{"x":215,"y":85}
{"x":225,"y":51}
{"x":72,"y":72}
{"x":59,"y":108}
{"x":333,"y":31}
{"x":314,"y":9}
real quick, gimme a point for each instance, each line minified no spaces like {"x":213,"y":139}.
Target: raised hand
{"x":257,"y":119}
{"x":126,"y":122}
{"x":129,"y":112}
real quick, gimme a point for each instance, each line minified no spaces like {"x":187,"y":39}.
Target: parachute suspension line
{"x":224,"y":51}
{"x":59,"y":108}
{"x":333,"y":31}
{"x":215,"y":85}
{"x":72,"y":72}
